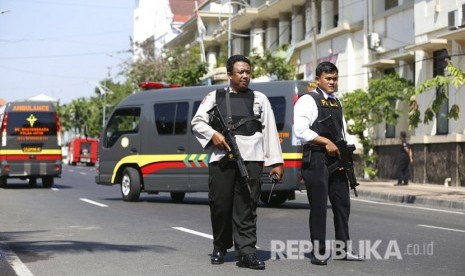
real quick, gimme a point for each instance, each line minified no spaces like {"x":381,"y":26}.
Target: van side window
{"x":278,"y":104}
{"x":195,"y":108}
{"x":171,"y":118}
{"x":123,"y":121}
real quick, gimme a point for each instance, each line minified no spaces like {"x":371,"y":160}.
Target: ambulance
{"x":30,"y":143}
{"x":147,"y":144}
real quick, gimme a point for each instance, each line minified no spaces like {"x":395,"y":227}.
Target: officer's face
{"x":239,"y":78}
{"x":328,"y":82}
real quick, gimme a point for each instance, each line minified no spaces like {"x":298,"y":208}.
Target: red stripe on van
{"x":154,"y":167}
{"x":27,"y":157}
{"x":292,"y":163}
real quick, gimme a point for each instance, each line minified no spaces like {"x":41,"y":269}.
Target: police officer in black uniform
{"x":319,"y":151}
{"x":406,"y":159}
{"x":232,"y":206}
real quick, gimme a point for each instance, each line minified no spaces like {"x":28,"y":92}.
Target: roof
{"x":183,"y":9}
{"x":42,"y":97}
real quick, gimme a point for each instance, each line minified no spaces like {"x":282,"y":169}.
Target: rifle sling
{"x":228,"y":107}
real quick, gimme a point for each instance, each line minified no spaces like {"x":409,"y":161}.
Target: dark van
{"x":147,"y":144}
{"x":30,"y":143}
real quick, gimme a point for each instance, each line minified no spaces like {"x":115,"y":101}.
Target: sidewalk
{"x":428,"y":194}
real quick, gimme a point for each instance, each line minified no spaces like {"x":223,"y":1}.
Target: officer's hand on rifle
{"x":332,"y":149}
{"x":220,"y":142}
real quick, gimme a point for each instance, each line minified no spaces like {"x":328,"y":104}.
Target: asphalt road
{"x":80,"y":228}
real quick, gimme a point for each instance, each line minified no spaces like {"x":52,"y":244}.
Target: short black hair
{"x":233,"y":59}
{"x":403,"y":134}
{"x":325,"y":67}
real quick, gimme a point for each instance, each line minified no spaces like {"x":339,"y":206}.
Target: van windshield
{"x":31,"y":124}
{"x":123,"y":121}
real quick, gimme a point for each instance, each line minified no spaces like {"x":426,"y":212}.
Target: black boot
{"x":217,"y":256}
{"x":250,"y":261}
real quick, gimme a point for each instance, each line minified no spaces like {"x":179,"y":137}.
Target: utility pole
{"x":229,"y":30}
{"x":314,"y":32}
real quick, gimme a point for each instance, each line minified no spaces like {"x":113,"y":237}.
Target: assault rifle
{"x":234,"y":154}
{"x":345,"y":161}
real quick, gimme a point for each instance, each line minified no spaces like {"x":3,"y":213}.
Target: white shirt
{"x":305,"y":114}
{"x":261,"y":146}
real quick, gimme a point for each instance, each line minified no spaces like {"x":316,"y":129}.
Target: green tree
{"x":85,"y":115}
{"x":366,"y":109}
{"x":178,"y":65}
{"x":184,"y":66}
{"x":272,"y":64}
{"x":147,"y":67}
{"x":454,"y":76}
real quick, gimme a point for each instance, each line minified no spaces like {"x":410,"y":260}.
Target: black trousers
{"x":320,"y":184}
{"x":232,"y":208}
{"x":403,"y":172}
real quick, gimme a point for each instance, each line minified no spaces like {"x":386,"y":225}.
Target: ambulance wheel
{"x":47,"y":181}
{"x":177,"y":197}
{"x":277,"y":198}
{"x":32,"y":182}
{"x":2,"y":181}
{"x":130,"y":184}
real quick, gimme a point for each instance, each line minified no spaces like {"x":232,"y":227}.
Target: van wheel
{"x":47,"y":181}
{"x":32,"y":182}
{"x":2,"y":181}
{"x":177,"y":197}
{"x":277,"y":198}
{"x":130,"y":184}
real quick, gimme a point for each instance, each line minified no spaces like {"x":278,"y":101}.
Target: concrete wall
{"x":433,"y":163}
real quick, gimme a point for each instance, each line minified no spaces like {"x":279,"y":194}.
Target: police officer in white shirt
{"x":232,"y":206}
{"x":320,"y":151}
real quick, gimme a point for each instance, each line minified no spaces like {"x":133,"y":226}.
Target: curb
{"x":413,"y":199}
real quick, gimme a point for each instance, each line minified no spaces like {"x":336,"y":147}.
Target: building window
{"x":439,"y":65}
{"x":389,"y":4}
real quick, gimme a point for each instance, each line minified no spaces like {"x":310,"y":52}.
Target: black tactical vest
{"x":325,"y":108}
{"x":244,"y":122}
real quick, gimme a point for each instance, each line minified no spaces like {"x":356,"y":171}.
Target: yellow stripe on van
{"x":42,"y":152}
{"x":292,"y":155}
{"x":143,"y":160}
{"x":189,"y":160}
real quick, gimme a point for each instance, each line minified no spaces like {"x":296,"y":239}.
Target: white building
{"x":365,"y":39}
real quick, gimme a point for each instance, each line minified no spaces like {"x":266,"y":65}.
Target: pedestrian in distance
{"x":405,"y":160}
{"x":319,"y":152}
{"x":233,"y":203}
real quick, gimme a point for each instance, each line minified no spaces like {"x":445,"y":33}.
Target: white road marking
{"x":441,"y":228}
{"x":409,"y":206}
{"x":54,"y":189}
{"x":19,"y":267}
{"x":208,"y":236}
{"x":83,"y":173}
{"x":93,"y":202}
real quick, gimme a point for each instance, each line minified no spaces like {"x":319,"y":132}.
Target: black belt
{"x":316,"y":148}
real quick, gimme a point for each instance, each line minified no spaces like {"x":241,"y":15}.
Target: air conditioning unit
{"x":374,"y":41}
{"x":454,"y":22}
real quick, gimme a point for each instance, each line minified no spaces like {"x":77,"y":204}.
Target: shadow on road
{"x":32,"y":251}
